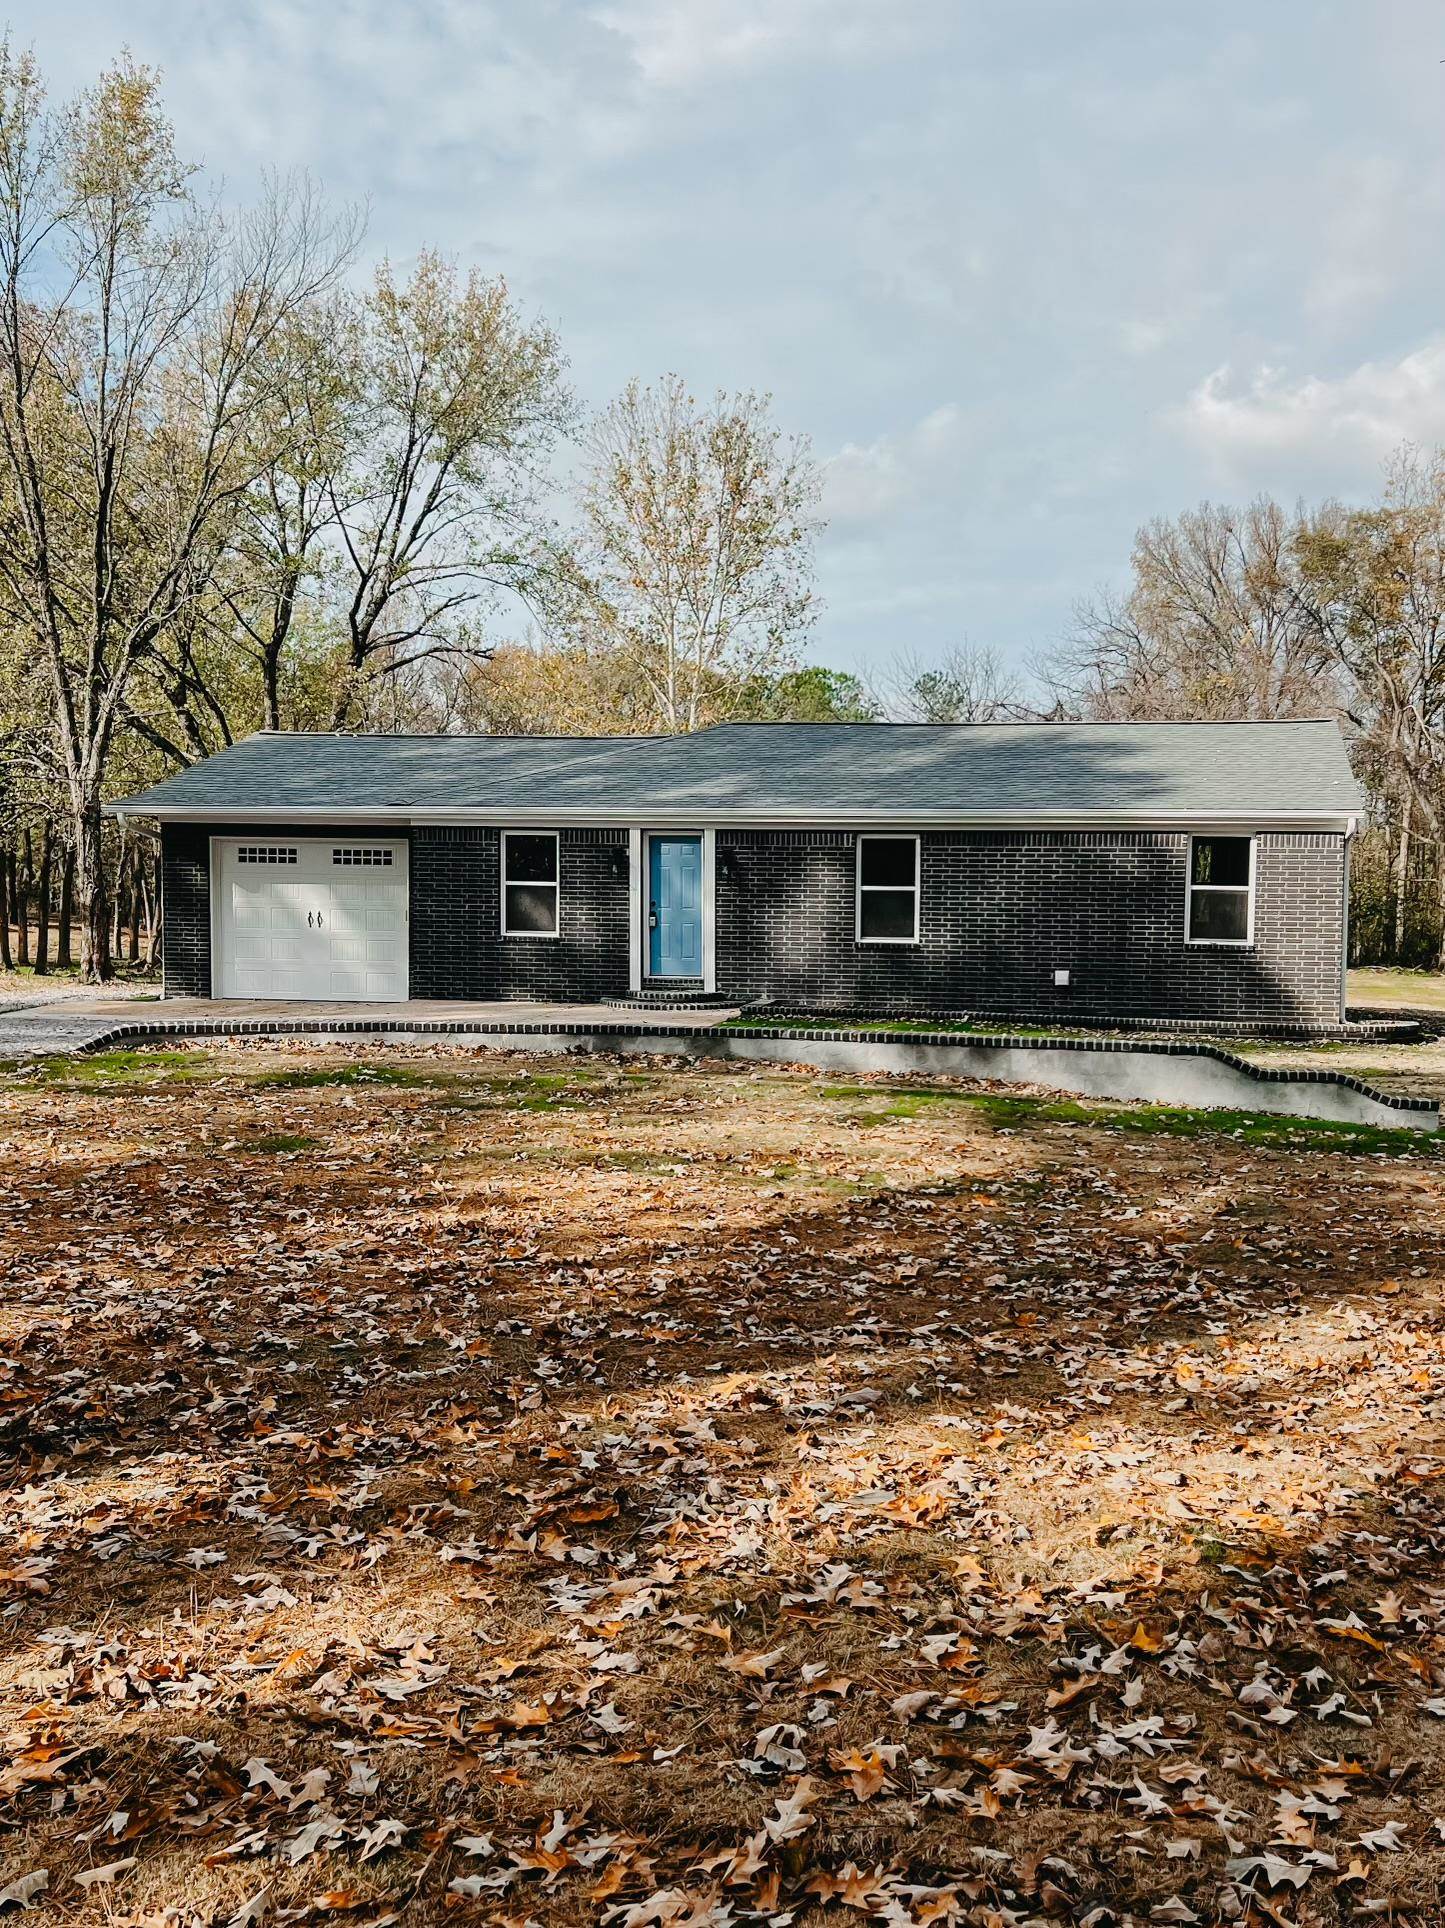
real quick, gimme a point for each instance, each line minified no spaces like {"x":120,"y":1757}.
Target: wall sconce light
{"x":728,"y":867}
{"x":617,"y":866}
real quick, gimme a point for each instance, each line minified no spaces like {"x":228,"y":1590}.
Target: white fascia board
{"x":247,"y":813}
{"x":1340,"y":821}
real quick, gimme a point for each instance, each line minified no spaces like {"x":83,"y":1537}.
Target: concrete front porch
{"x":78,"y":1022}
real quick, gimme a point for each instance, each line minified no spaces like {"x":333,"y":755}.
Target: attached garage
{"x":309,"y":917}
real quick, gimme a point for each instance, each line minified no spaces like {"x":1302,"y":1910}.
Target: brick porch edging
{"x":152,"y":1032}
{"x":1402,"y":1029}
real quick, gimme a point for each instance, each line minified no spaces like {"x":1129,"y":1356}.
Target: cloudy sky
{"x":1027,"y":272}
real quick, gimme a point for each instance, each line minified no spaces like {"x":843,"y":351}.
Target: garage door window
{"x":530,"y":889}
{"x":266,"y":854}
{"x":363,"y":856}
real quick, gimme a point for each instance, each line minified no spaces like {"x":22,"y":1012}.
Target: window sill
{"x":1220,"y":943}
{"x":532,"y":937}
{"x":887,"y":943}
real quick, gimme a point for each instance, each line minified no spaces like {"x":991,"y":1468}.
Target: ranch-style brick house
{"x":1193,"y":871}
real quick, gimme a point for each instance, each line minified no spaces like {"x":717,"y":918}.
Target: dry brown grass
{"x":607,"y":1463}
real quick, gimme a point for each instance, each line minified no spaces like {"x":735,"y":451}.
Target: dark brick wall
{"x":185,"y":910}
{"x":1001,"y":910}
{"x":457,"y":949}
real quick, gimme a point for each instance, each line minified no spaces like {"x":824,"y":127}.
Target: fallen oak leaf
{"x":756,"y":1666}
{"x":25,"y":1888}
{"x":1277,"y":1872}
{"x":102,"y":1877}
{"x":1145,"y":1641}
{"x":1383,"y":1840}
{"x":252,"y":1911}
{"x":865,"y":1768}
{"x":792,"y":1817}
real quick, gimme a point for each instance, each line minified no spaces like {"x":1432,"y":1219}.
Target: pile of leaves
{"x":440,"y":1488}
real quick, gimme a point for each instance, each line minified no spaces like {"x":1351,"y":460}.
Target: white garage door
{"x":310,"y":918}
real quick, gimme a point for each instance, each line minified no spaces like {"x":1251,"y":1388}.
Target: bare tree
{"x":455,"y":399}
{"x":137,"y":339}
{"x":1211,"y":626}
{"x":1373,"y":583}
{"x":220,"y":667}
{"x":695,"y":558}
{"x":970,"y":683}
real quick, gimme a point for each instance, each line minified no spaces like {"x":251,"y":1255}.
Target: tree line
{"x":1266,"y":612}
{"x":248,"y":481}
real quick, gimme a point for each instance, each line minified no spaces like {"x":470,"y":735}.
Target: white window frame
{"x":1218,"y":943}
{"x":545,"y":937}
{"x":859,"y":887}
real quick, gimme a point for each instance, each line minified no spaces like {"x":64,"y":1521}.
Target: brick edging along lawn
{"x":139,"y":1032}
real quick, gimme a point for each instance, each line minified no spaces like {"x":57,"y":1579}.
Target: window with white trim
{"x":1221,"y":890}
{"x":888,"y":890}
{"x":530,"y":886}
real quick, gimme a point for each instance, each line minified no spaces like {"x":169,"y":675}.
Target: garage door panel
{"x":270,"y":982}
{"x":256,"y":949}
{"x":319,"y":920}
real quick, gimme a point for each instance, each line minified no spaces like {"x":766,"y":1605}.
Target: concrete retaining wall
{"x":1170,"y":1074}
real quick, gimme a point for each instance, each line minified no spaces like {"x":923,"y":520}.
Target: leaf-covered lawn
{"x":465,"y":1488}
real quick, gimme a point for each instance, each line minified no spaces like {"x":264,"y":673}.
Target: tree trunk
{"x":132,"y":929}
{"x":271,"y":685}
{"x":148,"y":884}
{"x":7,"y":959}
{"x":1402,"y":883}
{"x":20,"y":874}
{"x":90,"y":889}
{"x":67,"y":909}
{"x":42,"y":901}
{"x":117,"y":894}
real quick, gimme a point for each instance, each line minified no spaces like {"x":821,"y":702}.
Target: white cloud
{"x":1316,"y":424}
{"x":676,"y":43}
{"x":865,"y":480}
{"x":1374,"y":209}
{"x":1141,"y":336}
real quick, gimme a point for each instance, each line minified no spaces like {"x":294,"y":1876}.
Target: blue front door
{"x":674,"y":907}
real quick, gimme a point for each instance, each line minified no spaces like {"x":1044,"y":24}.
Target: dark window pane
{"x":531,"y":860}
{"x":1219,"y":914}
{"x":886,"y":913}
{"x":1221,"y":860}
{"x":889,"y":860}
{"x":532,"y":907}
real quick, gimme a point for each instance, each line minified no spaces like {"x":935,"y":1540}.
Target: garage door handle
{"x":320,"y":920}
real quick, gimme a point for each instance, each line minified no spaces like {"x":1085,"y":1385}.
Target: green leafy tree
{"x":812,"y":695}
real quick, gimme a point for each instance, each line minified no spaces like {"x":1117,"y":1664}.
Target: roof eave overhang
{"x":666,"y":816}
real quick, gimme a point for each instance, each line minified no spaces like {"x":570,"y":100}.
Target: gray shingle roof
{"x":818,"y":770}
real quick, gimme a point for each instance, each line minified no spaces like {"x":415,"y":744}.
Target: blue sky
{"x":1027,"y":273}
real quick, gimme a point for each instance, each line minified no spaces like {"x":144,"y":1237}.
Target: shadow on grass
{"x":456,"y":1407}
